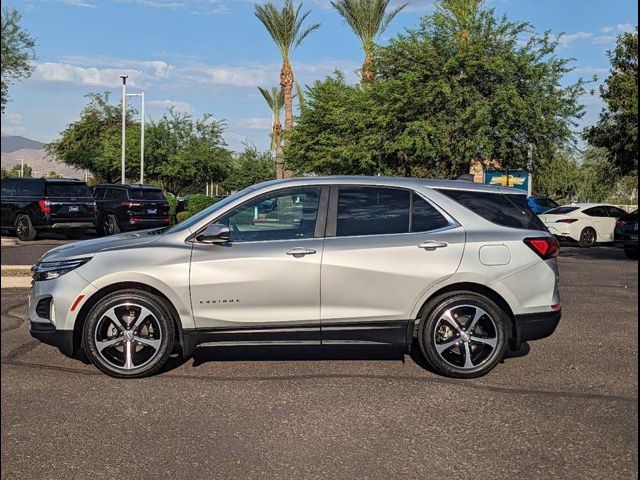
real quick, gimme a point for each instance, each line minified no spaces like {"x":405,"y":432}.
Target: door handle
{"x":300,"y":251}
{"x":431,"y":245}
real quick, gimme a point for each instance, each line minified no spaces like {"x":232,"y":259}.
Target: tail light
{"x":568,"y":220}
{"x":621,"y":223}
{"x":131,"y":204}
{"x":45,"y":206}
{"x":545,"y":247}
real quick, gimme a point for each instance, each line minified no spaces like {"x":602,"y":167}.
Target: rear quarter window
{"x":506,"y":210}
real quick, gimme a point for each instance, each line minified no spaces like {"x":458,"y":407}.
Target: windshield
{"x":145,"y":194}
{"x":189,"y":222}
{"x":561,"y":210}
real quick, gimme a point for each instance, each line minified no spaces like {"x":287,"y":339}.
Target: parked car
{"x":626,"y":234}
{"x":585,"y":223}
{"x":468,"y":267}
{"x":541,"y":204}
{"x":130,"y":207}
{"x":32,"y":205}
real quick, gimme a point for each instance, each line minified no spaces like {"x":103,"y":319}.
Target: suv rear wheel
{"x":463,"y":334}
{"x":129,"y":334}
{"x":24,"y":228}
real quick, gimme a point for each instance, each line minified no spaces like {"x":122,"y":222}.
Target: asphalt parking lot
{"x":567,"y":407}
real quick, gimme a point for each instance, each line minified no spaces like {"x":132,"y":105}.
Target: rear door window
{"x":99,"y":192}
{"x":145,"y":194}
{"x":28,"y":188}
{"x":8,"y":187}
{"x":506,"y":210}
{"x":68,"y":190}
{"x":596,"y":212}
{"x":372,"y":211}
{"x":116,"y":194}
{"x":615,"y":212}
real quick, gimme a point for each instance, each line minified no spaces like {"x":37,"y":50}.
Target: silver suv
{"x":467,"y":269}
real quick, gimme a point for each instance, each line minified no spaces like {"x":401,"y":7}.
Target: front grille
{"x":43,"y":309}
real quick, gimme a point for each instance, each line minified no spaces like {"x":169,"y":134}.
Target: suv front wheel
{"x":129,"y":334}
{"x":463,"y":334}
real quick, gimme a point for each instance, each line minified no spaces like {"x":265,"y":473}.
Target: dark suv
{"x":30,"y":205}
{"x":130,"y":207}
{"x":626,"y":234}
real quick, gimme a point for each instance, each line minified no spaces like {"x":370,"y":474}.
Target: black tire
{"x":494,"y":326}
{"x":588,"y":238}
{"x":24,"y":228}
{"x":631,"y":253}
{"x":111,"y":226}
{"x":159,"y":327}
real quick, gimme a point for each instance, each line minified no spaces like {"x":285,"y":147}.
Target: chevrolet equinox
{"x":467,"y":269}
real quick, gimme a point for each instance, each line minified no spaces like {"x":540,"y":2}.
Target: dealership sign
{"x":519,"y":179}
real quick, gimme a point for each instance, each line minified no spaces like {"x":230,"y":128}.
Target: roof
{"x":406,"y":182}
{"x":42,"y":179}
{"x":121,"y":185}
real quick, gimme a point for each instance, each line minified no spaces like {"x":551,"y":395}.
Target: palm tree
{"x":275,"y":100}
{"x":461,"y":14}
{"x":285,"y":26}
{"x":368,"y":19}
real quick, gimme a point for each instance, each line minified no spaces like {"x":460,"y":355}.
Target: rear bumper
{"x":143,"y":223}
{"x":535,"y":326}
{"x":67,"y":225}
{"x":626,"y":241}
{"x":47,"y":333}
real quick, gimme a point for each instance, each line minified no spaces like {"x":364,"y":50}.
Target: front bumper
{"x":534,"y":326}
{"x":47,"y":333}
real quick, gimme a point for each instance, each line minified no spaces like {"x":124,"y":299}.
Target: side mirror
{"x":215,"y":233}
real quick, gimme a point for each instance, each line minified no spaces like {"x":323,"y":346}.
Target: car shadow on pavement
{"x":600,"y":252}
{"x":284,"y":353}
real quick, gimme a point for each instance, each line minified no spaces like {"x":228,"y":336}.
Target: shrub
{"x":199,"y":202}
{"x":173,"y":204}
{"x":181,"y":216}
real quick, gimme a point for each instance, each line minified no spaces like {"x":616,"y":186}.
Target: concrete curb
{"x":15,"y":270}
{"x":15,"y":282}
{"x":9,"y":242}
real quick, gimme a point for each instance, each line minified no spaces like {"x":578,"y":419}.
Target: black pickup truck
{"x":30,"y":205}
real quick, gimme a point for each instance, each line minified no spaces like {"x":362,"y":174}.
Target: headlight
{"x":50,"y":270}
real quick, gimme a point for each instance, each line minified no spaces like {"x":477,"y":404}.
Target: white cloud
{"x":569,"y":38}
{"x":603,"y":39}
{"x":165,"y":104}
{"x":590,"y":70}
{"x":90,"y":76}
{"x":78,"y":3}
{"x":626,"y":27}
{"x":608,"y":29}
{"x":252,"y":123}
{"x":12,"y":124}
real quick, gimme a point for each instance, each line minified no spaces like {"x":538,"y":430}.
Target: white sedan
{"x":586,"y":223}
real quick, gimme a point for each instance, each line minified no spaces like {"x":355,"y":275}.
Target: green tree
{"x":17,"y":171}
{"x":275,"y":100}
{"x":18,"y":53}
{"x":438,"y":104}
{"x":617,"y":129}
{"x":368,"y":19}
{"x":597,"y":177}
{"x":558,"y":178}
{"x":93,"y":142}
{"x":249,"y":167}
{"x":285,"y":26}
{"x":184,"y":153}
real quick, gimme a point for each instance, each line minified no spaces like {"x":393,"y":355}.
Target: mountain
{"x":12,"y":143}
{"x":15,"y":149}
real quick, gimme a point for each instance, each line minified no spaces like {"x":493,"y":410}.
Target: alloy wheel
{"x":128,"y":336}
{"x":22,"y":228}
{"x":465,"y":336}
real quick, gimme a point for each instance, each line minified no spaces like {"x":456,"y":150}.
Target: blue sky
{"x":208,"y":56}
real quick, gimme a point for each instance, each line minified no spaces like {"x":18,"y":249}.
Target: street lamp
{"x":124,"y":126}
{"x":141,"y":95}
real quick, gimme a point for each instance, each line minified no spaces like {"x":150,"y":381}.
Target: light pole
{"x":124,"y":126}
{"x":141,"y":95}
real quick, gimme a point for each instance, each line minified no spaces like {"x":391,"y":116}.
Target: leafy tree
{"x":558,"y":178}
{"x":617,"y":130}
{"x":439,"y":103}
{"x":275,"y":100}
{"x":368,"y":19}
{"x":18,"y":53}
{"x":94,"y":141}
{"x":285,"y":27}
{"x":248,"y":168}
{"x":16,"y":171}
{"x":185,"y":153}
{"x":597,"y":178}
